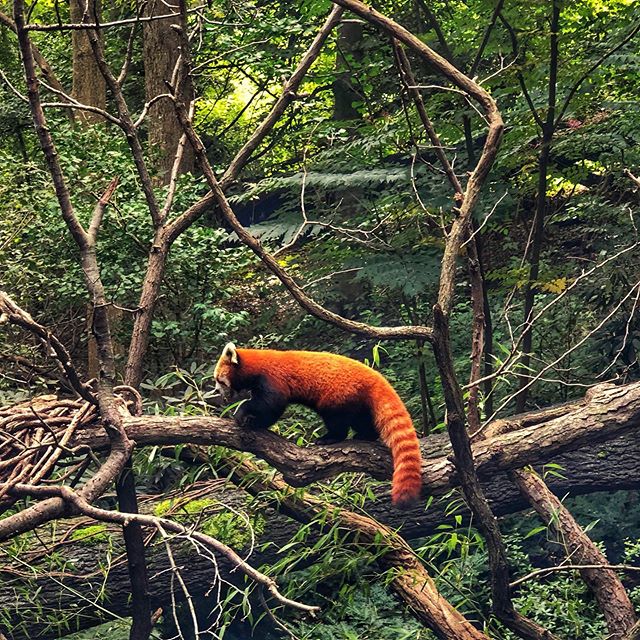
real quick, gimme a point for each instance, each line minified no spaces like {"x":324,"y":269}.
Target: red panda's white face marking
{"x":224,"y":369}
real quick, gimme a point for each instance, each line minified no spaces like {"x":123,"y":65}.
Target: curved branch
{"x":296,"y":291}
{"x":288,"y":94}
{"x":79,"y":505}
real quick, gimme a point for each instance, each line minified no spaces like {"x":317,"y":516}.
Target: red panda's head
{"x":225,"y":371}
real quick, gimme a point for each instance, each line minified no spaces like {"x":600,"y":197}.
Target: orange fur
{"x":346,"y":393}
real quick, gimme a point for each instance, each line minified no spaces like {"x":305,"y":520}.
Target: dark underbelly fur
{"x":266,"y":406}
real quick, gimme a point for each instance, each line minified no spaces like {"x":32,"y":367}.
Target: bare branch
{"x":72,"y":26}
{"x":241,"y":158}
{"x":531,"y":379}
{"x":601,"y":60}
{"x":42,"y":130}
{"x":485,"y":38}
{"x":96,"y":219}
{"x":410,"y":83}
{"x":11,"y":312}
{"x":126,"y":122}
{"x":81,"y":505}
{"x":557,"y":299}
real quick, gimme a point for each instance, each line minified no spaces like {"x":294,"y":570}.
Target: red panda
{"x":344,"y":392}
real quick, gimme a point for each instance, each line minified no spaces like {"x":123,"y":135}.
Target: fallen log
{"x":27,"y":599}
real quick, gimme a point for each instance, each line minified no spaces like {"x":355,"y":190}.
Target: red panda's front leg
{"x":263,"y":410}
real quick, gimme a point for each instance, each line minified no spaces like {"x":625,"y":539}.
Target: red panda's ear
{"x":229,"y":353}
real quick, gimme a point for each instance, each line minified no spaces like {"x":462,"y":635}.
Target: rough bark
{"x":160,"y":54}
{"x":536,"y":438}
{"x":607,"y":588}
{"x":608,"y":416}
{"x":89,"y":86}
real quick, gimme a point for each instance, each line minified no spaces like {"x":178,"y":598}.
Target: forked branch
{"x":78,"y":505}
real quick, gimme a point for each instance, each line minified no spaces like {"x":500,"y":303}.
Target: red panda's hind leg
{"x":337,"y":424}
{"x":363,"y":426}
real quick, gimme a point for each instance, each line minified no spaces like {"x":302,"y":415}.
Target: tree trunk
{"x":89,"y":86}
{"x":160,"y":53}
{"x":344,"y":92}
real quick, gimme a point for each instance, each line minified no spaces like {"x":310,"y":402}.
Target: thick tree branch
{"x":536,"y":438}
{"x":604,"y":582}
{"x":610,"y":466}
{"x":608,"y":412}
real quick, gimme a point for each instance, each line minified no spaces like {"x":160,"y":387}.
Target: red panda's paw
{"x":246,"y":421}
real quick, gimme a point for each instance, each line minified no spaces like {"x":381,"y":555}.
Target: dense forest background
{"x":353,"y":192}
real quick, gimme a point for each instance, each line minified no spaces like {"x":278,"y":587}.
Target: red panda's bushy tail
{"x":398,"y":433}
